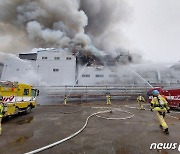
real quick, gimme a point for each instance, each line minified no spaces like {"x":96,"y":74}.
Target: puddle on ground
{"x":22,"y":139}
{"x":24,"y":121}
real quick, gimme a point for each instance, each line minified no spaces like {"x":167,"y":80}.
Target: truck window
{"x":26,"y":92}
{"x":33,"y":92}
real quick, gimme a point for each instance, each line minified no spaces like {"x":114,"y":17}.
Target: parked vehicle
{"x":17,"y":97}
{"x":171,"y":94}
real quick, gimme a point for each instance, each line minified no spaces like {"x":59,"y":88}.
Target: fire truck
{"x":17,"y":97}
{"x":172,"y":95}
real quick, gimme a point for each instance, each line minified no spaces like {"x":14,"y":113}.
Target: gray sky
{"x":155,"y":29}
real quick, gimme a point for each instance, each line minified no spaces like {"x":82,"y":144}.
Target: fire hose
{"x":79,"y":131}
{"x":149,"y":109}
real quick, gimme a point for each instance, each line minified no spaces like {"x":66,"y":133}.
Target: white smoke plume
{"x":39,"y":23}
{"x":27,"y":24}
{"x":46,"y":36}
{"x":4,"y":57}
{"x":30,"y":77}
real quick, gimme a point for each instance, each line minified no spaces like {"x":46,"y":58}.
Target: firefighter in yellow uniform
{"x":141,"y":100}
{"x":108,"y":99}
{"x":1,"y":112}
{"x":160,"y":106}
{"x":65,"y":99}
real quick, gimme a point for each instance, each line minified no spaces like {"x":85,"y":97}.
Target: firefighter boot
{"x":166,"y":131}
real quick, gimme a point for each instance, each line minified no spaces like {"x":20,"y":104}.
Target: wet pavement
{"x":48,"y":124}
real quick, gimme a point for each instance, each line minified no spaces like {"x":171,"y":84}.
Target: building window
{"x":17,"y":69}
{"x":44,"y":57}
{"x":112,"y":75}
{"x":68,"y":58}
{"x":56,"y":58}
{"x":85,"y":75}
{"x":99,"y":75}
{"x":55,"y":70}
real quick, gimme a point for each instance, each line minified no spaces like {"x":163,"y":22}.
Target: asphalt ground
{"x":48,"y":124}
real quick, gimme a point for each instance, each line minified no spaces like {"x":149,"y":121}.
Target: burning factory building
{"x":78,"y":42}
{"x":62,"y":67}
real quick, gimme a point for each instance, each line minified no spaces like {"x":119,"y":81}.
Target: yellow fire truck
{"x":17,"y":97}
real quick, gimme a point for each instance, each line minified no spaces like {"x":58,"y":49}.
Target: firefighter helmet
{"x":155,"y":92}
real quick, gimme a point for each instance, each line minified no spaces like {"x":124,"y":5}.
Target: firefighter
{"x":164,"y":97}
{"x":65,"y":99}
{"x":160,"y":106}
{"x":1,"y":111}
{"x":108,"y":99}
{"x":140,"y":100}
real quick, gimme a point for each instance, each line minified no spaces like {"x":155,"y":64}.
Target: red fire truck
{"x":172,"y":95}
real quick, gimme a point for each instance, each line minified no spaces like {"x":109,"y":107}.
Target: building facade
{"x":59,"y":67}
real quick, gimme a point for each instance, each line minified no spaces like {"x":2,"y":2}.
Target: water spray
{"x":78,"y":78}
{"x":139,"y":76}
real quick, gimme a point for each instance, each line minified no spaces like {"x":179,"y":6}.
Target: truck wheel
{"x":28,"y":110}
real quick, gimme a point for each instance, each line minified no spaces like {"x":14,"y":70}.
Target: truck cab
{"x":17,"y":97}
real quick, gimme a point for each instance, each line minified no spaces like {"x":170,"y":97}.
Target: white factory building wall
{"x":51,"y":68}
{"x":96,"y":76}
{"x":56,"y":68}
